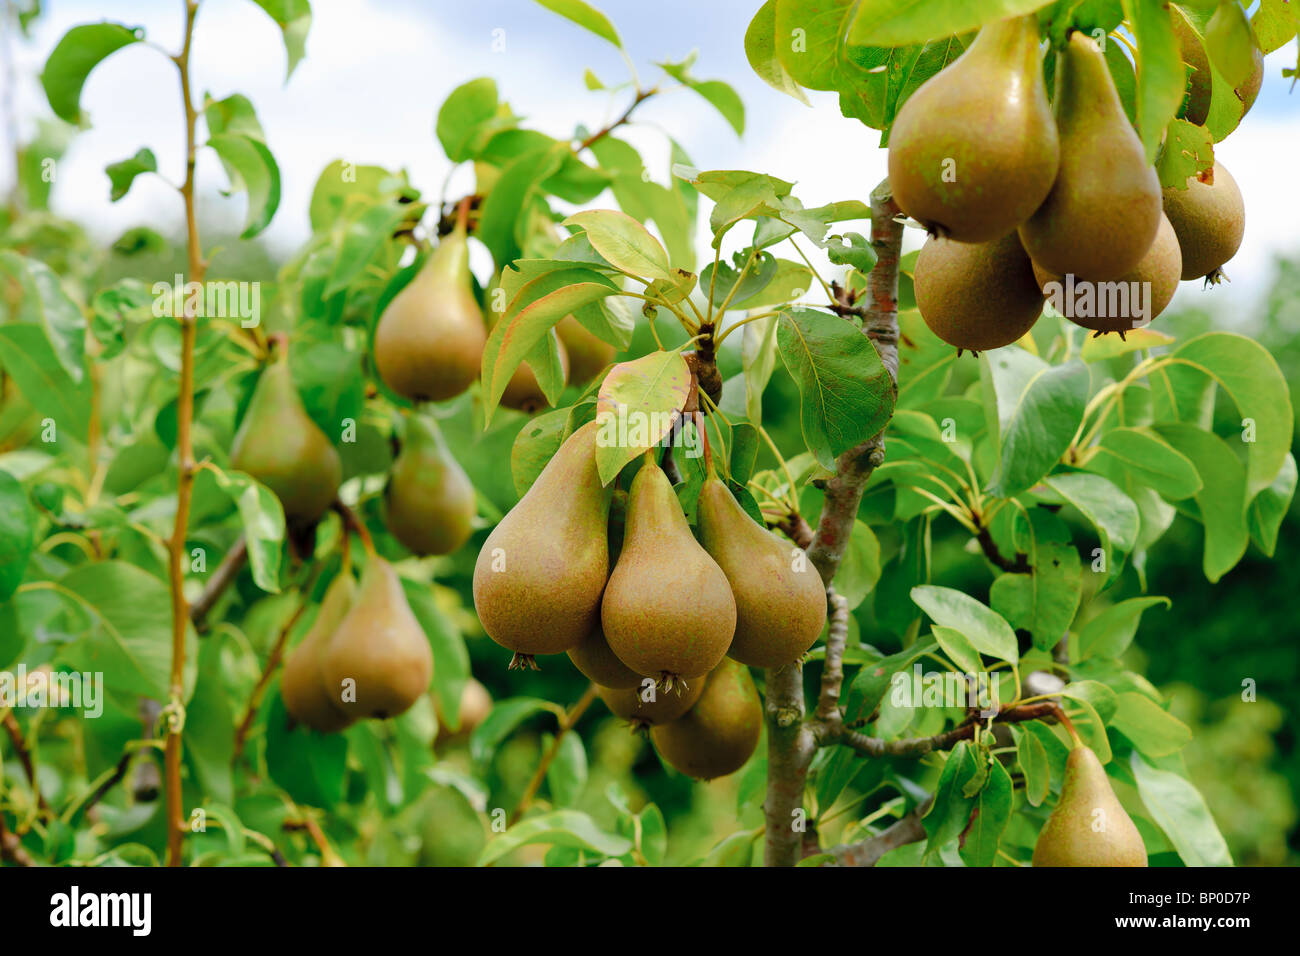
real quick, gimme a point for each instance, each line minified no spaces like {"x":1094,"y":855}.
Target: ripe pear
{"x":429,"y":503}
{"x":1131,"y":301}
{"x":475,"y":705}
{"x":540,"y":573}
{"x":649,"y":706}
{"x":588,"y":355}
{"x":1103,"y":212}
{"x":1088,"y":826}
{"x":380,"y":646}
{"x":523,"y":391}
{"x":302,"y":686}
{"x":596,"y":662}
{"x":279,"y":445}
{"x":668,"y":610}
{"x":1209,"y":219}
{"x":974,"y":151}
{"x":780,"y":597}
{"x":977,"y":296}
{"x":429,"y":341}
{"x":719,"y":734}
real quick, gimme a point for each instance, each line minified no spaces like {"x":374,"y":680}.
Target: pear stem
{"x":462,"y":214}
{"x":352,"y":522}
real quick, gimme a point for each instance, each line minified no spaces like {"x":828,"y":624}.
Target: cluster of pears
{"x":675,"y":614}
{"x":1024,"y":198}
{"x":429,"y":340}
{"x":365,"y":655}
{"x":1088,"y":827}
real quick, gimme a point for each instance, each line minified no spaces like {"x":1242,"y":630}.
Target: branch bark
{"x":837,"y":733}
{"x":791,"y":741}
{"x":24,"y":758}
{"x":221,"y":579}
{"x":907,"y":829}
{"x":11,"y":848}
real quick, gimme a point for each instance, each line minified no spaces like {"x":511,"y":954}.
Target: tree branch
{"x":24,"y":758}
{"x":990,"y":548}
{"x":641,"y":97}
{"x":11,"y":848}
{"x":221,"y":579}
{"x":907,"y":829}
{"x":836,"y":733}
{"x":828,"y":703}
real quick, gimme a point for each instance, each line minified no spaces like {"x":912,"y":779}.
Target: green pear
{"x":780,"y":597}
{"x":588,"y":355}
{"x":302,"y":686}
{"x":429,"y":341}
{"x":1209,"y":219}
{"x":974,"y":151}
{"x":279,"y":445}
{"x":1088,"y":826}
{"x":378,"y":662}
{"x":540,"y":573}
{"x":429,"y":504}
{"x":977,"y":296}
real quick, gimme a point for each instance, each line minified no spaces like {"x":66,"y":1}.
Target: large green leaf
{"x":78,"y":52}
{"x":255,"y":172}
{"x":44,"y":304}
{"x":1144,"y":456}
{"x":1110,"y":633}
{"x":1181,"y":812}
{"x":17,"y":526}
{"x":989,"y":817}
{"x":884,"y":23}
{"x":985,"y":628}
{"x":1222,"y":498}
{"x":1108,"y":509}
{"x":293,"y":17}
{"x":558,"y":828}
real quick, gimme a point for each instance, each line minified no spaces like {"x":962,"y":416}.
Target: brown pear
{"x":475,"y":705}
{"x":1131,"y":301}
{"x":429,"y":504}
{"x":977,"y":296}
{"x":279,"y":445}
{"x":540,"y":573}
{"x":780,"y":597}
{"x":596,"y":662}
{"x":974,"y":151}
{"x":649,"y":706}
{"x":588,"y":355}
{"x":668,"y":611}
{"x":378,"y":662}
{"x":1209,"y":219}
{"x":720,"y":733}
{"x":429,"y":340}
{"x":1103,"y":212}
{"x":1089,"y":826}
{"x":302,"y":686}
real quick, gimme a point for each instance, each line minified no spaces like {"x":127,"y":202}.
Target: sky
{"x":376,"y":72}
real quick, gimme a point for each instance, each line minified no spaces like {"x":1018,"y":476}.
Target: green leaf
{"x":807,"y":37}
{"x":451,"y":667}
{"x":760,"y":50}
{"x":1222,"y":498}
{"x":1145,"y":457}
{"x":121,"y":175}
{"x":364,"y":237}
{"x":262,"y":518}
{"x":557,"y":828}
{"x":44,"y":304}
{"x":851,"y":249}
{"x":1039,"y":409}
{"x":644,"y":397}
{"x":26,"y":355}
{"x":873,"y":680}
{"x":1044,"y":601}
{"x":1181,"y":813}
{"x":950,"y":812}
{"x":585,"y":16}
{"x":860,"y":568}
{"x":986,"y":629}
{"x":78,"y":52}
{"x":989,"y":817}
{"x":127,"y":630}
{"x":1151,"y":728}
{"x":17,"y":527}
{"x":1252,"y":378}
{"x":293,"y":17}
{"x":255,"y":172}
{"x":845,"y":392}
{"x":1230,"y":44}
{"x":468,"y":118}
{"x":959,"y":648}
{"x":209,"y":732}
{"x":1270,"y":507}
{"x":234,"y":114}
{"x":1032,"y":756}
{"x":884,"y":23}
{"x":1111,"y":632}
{"x":505,"y":716}
{"x":567,"y":774}
{"x":343,"y":187}
{"x":1161,"y":77}
{"x":1108,"y":509}
{"x":623,"y":242}
{"x":736,"y":849}
{"x":310,"y":766}
{"x":501,"y":216}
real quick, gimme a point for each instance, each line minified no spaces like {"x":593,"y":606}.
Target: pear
{"x":453,"y":832}
{"x":1209,"y":219}
{"x":780,"y":597}
{"x":588,"y":355}
{"x":540,"y":573}
{"x":668,"y":611}
{"x":302,"y":686}
{"x":974,"y":151}
{"x":523,"y":391}
{"x":1088,"y":826}
{"x":380,"y":647}
{"x":475,"y":705}
{"x":1103,"y":212}
{"x":596,"y":662}
{"x":720,"y":733}
{"x":977,"y":296}
{"x":429,"y":341}
{"x":649,"y":706}
{"x":1131,"y":301}
{"x":429,"y":503}
{"x":1200,"y":85}
{"x":279,"y":445}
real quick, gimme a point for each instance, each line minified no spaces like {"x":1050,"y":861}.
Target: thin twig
{"x":259,"y":689}
{"x":567,"y":723}
{"x":328,"y":855}
{"x":221,"y":579}
{"x":641,"y":97}
{"x":907,"y":829}
{"x":24,"y":757}
{"x":920,"y":746}
{"x":11,"y":848}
